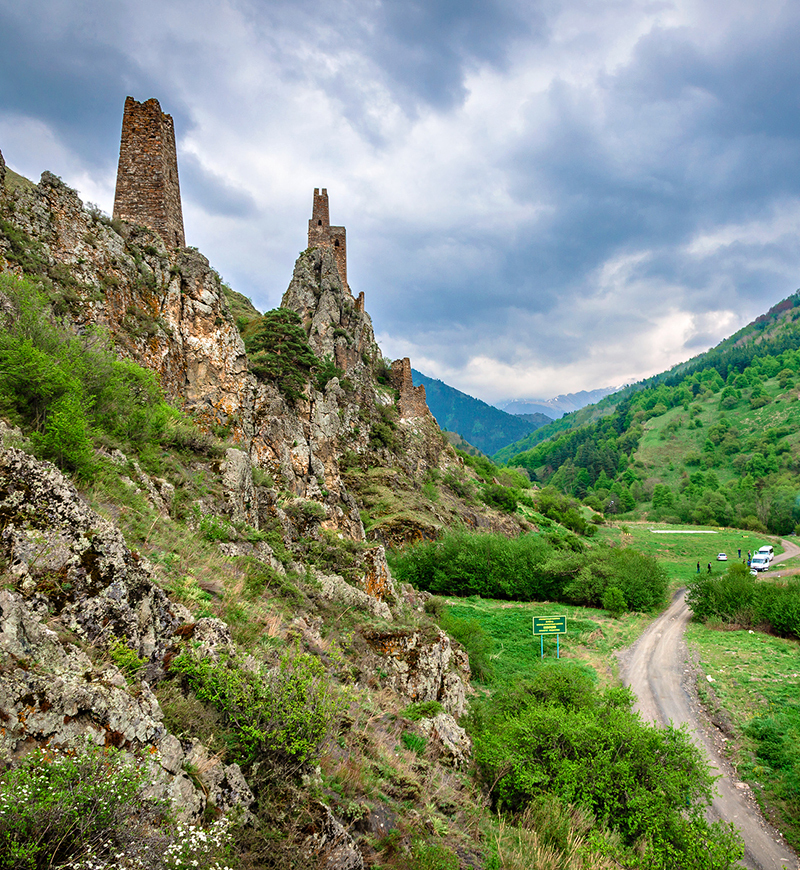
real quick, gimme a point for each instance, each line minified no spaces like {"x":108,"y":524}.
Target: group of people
{"x":749,"y":559}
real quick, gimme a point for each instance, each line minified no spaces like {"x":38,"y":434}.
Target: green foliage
{"x":529,"y":568}
{"x":279,"y":352}
{"x":613,"y":600}
{"x":56,"y":807}
{"x":286,"y":713}
{"x":475,"y":641}
{"x":423,"y":710}
{"x":213,"y":528}
{"x":736,"y":597}
{"x":125,"y":658}
{"x":427,"y":855}
{"x":326,"y":370}
{"x":67,"y":391}
{"x":417,"y":743}
{"x":557,"y":737}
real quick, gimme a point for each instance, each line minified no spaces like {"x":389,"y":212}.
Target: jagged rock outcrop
{"x":330,"y":845}
{"x":76,"y":582}
{"x":423,"y":668}
{"x":453,"y":746}
{"x":167,"y":310}
{"x":2,"y":170}
{"x":66,"y":556}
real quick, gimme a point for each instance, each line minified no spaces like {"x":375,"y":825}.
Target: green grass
{"x":680,"y":553}
{"x":667,"y":439}
{"x":591,"y":639}
{"x":756,"y":676}
{"x":15,"y":181}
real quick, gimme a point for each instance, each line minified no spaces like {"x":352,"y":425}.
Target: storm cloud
{"x":539,"y":197}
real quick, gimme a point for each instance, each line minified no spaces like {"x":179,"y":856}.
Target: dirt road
{"x":658,"y":670}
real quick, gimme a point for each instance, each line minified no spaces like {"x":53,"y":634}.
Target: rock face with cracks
{"x":77,"y":584}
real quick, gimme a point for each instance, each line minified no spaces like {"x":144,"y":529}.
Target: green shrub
{"x":415,"y":742}
{"x":475,"y":641}
{"x":614,"y":601}
{"x":326,"y":370}
{"x":125,"y":658}
{"x":650,"y":786}
{"x":530,"y":568}
{"x":56,"y":807}
{"x":423,"y":710}
{"x":286,"y":712}
{"x":68,"y":391}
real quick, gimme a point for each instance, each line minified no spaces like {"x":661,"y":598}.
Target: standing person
{"x":709,"y":567}
{"x":740,"y":552}
{"x":698,"y":567}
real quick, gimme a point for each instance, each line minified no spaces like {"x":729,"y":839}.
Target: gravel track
{"x":658,"y":669}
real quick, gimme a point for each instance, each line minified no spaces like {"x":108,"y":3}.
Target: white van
{"x":759,"y":562}
{"x":766,"y":551}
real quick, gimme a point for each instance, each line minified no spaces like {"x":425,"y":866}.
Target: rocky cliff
{"x":272,"y":540}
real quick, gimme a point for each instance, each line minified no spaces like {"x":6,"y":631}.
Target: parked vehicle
{"x":759,"y":562}
{"x":766,"y":551}
{"x":722,"y":557}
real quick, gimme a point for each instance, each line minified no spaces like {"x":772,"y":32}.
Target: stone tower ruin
{"x":147,"y":191}
{"x":322,"y":235}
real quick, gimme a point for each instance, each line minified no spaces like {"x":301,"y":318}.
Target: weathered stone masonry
{"x":412,"y":401}
{"x":322,"y":235}
{"x":148,"y":192}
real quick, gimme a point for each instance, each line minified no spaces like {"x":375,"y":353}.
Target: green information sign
{"x":549,"y":624}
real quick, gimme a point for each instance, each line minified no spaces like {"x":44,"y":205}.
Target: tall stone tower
{"x":322,"y":235}
{"x":148,"y":191}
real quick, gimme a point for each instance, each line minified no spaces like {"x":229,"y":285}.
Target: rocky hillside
{"x":215,"y":602}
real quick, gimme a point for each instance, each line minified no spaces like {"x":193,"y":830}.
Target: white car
{"x":722,"y":557}
{"x":766,"y":551}
{"x":759,"y":562}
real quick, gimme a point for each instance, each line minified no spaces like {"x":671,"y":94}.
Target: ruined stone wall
{"x":322,"y":235}
{"x":148,"y":192}
{"x":412,"y":399}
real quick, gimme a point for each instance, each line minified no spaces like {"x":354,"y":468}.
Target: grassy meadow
{"x":683,"y":547}
{"x":756,"y":694}
{"x":592,"y":636}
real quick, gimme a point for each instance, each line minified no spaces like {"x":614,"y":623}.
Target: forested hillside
{"x":482,"y":425}
{"x":714,"y":440}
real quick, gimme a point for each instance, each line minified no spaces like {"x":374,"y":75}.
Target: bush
{"x":475,"y":641}
{"x":736,"y":597}
{"x":69,"y":391}
{"x":58,"y":807}
{"x":614,"y":601}
{"x":650,"y":786}
{"x":286,"y":712}
{"x":530,"y":568}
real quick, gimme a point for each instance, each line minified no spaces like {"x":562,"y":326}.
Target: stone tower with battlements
{"x":322,"y":235}
{"x":148,"y":192}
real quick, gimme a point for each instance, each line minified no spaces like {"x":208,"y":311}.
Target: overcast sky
{"x":540,"y":196}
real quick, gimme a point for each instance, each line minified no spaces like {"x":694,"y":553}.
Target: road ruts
{"x":656,"y":668}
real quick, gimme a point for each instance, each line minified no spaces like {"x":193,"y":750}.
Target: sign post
{"x":556,"y":625}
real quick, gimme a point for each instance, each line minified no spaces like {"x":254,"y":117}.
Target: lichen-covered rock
{"x":52,"y":694}
{"x":378,"y":581}
{"x":336,"y":588}
{"x":330,"y":845}
{"x":424,"y":669}
{"x":65,"y":554}
{"x":237,"y":483}
{"x":452,"y":743}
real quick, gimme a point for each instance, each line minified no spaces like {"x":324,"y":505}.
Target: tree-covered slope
{"x":715,"y":440}
{"x":485,"y":427}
